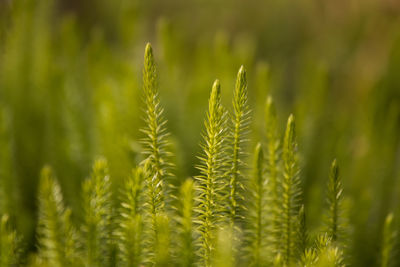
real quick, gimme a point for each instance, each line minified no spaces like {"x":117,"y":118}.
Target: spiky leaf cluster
{"x":240,"y":120}
{"x":302,"y":234}
{"x":56,"y":236}
{"x":291,"y":192}
{"x":98,"y":224}
{"x":212,"y":167}
{"x":272,"y":172}
{"x":155,"y":141}
{"x":256,"y":217}
{"x":131,"y":220}
{"x":156,"y":164}
{"x":323,"y":252}
{"x":204,"y":226}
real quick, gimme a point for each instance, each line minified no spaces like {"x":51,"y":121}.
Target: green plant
{"x":98,"y":225}
{"x":239,"y":128}
{"x":9,"y":244}
{"x":131,"y":220}
{"x":302,"y":234}
{"x":226,"y":216}
{"x":256,"y":217}
{"x":156,"y":164}
{"x":273,"y":156}
{"x":389,"y":235}
{"x":186,"y":244}
{"x":211,"y":182}
{"x":155,"y":141}
{"x":291,"y":192}
{"x":57,"y":238}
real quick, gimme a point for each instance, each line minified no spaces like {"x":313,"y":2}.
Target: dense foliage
{"x":224,"y":217}
{"x":175,"y":182}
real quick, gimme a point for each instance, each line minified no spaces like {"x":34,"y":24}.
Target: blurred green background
{"x":70,"y":91}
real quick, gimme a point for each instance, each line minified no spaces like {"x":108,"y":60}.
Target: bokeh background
{"x":70,"y":91}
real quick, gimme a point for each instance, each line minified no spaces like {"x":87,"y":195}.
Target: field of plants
{"x":200,"y":133}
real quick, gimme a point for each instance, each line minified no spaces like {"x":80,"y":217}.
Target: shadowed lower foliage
{"x":9,"y":251}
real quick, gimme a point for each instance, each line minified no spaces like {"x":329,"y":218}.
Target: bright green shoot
{"x":291,"y":192}
{"x":240,"y":124}
{"x":212,"y":169}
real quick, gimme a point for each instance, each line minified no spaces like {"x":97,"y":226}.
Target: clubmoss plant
{"x":291,"y":192}
{"x":273,"y":156}
{"x":157,"y":162}
{"x":226,"y":216}
{"x":302,"y":235}
{"x":131,"y":224}
{"x":323,"y":253}
{"x":56,"y":237}
{"x":98,"y":221}
{"x":331,"y":256}
{"x":211,"y":179}
{"x":155,"y":141}
{"x":256,"y":218}
{"x":239,"y":127}
{"x":309,"y":258}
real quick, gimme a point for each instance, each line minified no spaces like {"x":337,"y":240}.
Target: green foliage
{"x":328,"y":253}
{"x":272,"y":162}
{"x":57,"y":240}
{"x":70,"y":92}
{"x":291,"y":192}
{"x":323,"y":253}
{"x":256,"y":215}
{"x":98,"y":221}
{"x":389,"y":235}
{"x":9,"y":244}
{"x":225,"y":216}
{"x":155,"y":142}
{"x":239,"y":127}
{"x":131,"y":220}
{"x":330,"y":257}
{"x":186,"y":252}
{"x":157,"y":163}
{"x":334,"y":200}
{"x":212,"y":169}
{"x":302,"y":234}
